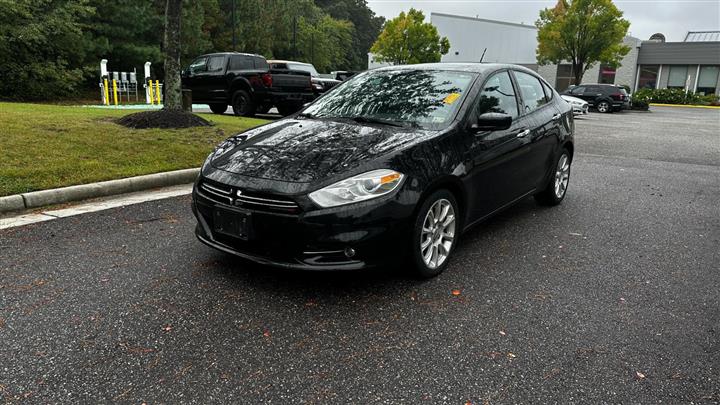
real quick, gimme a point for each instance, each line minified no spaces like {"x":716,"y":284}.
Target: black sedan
{"x":393,"y":164}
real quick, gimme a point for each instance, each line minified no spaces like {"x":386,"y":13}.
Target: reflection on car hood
{"x":309,"y":150}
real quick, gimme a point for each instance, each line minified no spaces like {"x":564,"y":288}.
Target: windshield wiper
{"x":373,"y":120}
{"x":307,"y":115}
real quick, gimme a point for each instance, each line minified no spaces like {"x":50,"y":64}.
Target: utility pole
{"x":234,"y":44}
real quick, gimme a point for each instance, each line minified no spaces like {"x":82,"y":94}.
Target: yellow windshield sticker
{"x":451,"y":98}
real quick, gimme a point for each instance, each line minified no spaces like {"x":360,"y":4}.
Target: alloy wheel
{"x":562,"y":176}
{"x":438,"y":233}
{"x":603,"y":107}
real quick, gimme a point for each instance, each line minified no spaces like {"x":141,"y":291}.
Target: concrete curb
{"x":684,"y":105}
{"x":42,"y":198}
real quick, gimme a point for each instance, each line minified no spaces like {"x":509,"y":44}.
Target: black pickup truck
{"x":247,"y":83}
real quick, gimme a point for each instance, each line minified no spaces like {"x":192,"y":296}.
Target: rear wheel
{"x":435,"y":233}
{"x":288,"y":108}
{"x":555,"y":191}
{"x":604,"y":107}
{"x":218,"y":108}
{"x":243,"y":104}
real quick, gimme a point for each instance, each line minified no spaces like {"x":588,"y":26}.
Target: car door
{"x":493,"y":156}
{"x":543,"y":122}
{"x":190,"y":79}
{"x":213,"y":81}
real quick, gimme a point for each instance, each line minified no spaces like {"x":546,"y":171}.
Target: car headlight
{"x":358,"y":188}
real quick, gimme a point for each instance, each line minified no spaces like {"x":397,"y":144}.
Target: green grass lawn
{"x":48,"y":146}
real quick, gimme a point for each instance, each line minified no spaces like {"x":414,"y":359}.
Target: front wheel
{"x":604,"y":107}
{"x":555,"y":191}
{"x":218,"y":108}
{"x":435,"y":233}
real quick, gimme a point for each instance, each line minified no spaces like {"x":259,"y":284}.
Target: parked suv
{"x":604,"y":97}
{"x":247,"y":83}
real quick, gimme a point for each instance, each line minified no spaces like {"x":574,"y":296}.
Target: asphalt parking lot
{"x":610,"y":298}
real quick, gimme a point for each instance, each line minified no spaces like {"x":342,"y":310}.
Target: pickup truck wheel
{"x":264,"y":108}
{"x":218,"y":108}
{"x":288,"y":108}
{"x":243,"y":104}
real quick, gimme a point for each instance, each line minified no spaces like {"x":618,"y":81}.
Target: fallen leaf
{"x":640,"y":375}
{"x":622,"y":300}
{"x":456,"y":292}
{"x":511,"y":355}
{"x":167,"y":328}
{"x":502,"y":332}
{"x":266,"y":333}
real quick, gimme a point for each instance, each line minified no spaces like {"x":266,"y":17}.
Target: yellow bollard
{"x":157,"y":90}
{"x":115,"y":91}
{"x":107,"y":93}
{"x":150,"y":89}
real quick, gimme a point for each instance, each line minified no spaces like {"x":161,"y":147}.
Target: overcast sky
{"x":672,"y":18}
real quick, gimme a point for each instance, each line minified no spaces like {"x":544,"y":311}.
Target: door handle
{"x":523,"y":134}
{"x":556,"y":116}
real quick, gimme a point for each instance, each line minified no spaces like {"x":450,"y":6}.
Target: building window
{"x":607,"y":74}
{"x":564,"y":77}
{"x":648,"y":76}
{"x":677,"y":79}
{"x":708,"y":79}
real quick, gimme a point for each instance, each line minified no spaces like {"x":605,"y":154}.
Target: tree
{"x":172,"y":87}
{"x":582,"y":32}
{"x":407,"y":39}
{"x":324,"y":42}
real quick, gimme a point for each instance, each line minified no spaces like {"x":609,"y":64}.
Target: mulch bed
{"x":163,"y":119}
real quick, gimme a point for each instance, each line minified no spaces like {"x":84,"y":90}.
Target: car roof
{"x":230,"y":53}
{"x":288,"y":61}
{"x":458,"y":67}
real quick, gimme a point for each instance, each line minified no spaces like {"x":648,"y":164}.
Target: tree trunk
{"x":578,"y":72}
{"x":172,"y":85}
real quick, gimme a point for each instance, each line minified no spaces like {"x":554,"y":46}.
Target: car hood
{"x":571,"y":99}
{"x":307,"y":151}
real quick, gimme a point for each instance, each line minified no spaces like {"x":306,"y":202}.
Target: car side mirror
{"x":492,"y":121}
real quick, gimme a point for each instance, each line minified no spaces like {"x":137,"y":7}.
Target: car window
{"x":498,"y":95}
{"x":593,"y":90}
{"x":198,"y":65}
{"x":260,"y":63}
{"x":215,"y":64}
{"x":240,"y":62}
{"x":578,"y":91}
{"x":279,"y":65}
{"x":548,"y":91}
{"x":531,"y":90}
{"x":305,"y":68}
{"x":429,"y":99}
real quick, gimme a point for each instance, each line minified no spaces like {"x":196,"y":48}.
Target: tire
{"x":288,"y":108}
{"x":556,"y":188}
{"x":243,"y":104}
{"x":218,"y":108}
{"x":604,"y":107}
{"x":264,"y":108}
{"x":428,"y":240}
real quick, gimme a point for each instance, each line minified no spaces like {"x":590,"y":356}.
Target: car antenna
{"x":483,"y":55}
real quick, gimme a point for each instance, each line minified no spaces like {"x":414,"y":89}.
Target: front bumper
{"x":313,"y":239}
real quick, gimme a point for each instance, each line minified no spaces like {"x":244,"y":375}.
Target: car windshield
{"x":304,"y":68}
{"x":424,"y":98}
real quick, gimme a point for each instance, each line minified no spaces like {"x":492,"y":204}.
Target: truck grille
{"x":251,"y":200}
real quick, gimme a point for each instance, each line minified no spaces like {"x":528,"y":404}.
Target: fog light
{"x":349,"y":252}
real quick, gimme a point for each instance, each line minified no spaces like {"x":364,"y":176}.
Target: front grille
{"x":251,"y":200}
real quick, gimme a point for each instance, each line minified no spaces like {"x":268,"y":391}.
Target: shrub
{"x":672,"y":96}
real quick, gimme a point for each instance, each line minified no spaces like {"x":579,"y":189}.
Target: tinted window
{"x":531,"y":91}
{"x":548,"y":91}
{"x":240,"y":63}
{"x":498,"y":96}
{"x":198,"y":65}
{"x":303,"y":67}
{"x":215,"y":64}
{"x":429,"y":99}
{"x":577,"y":91}
{"x":260,"y":63}
{"x":591,"y":90}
